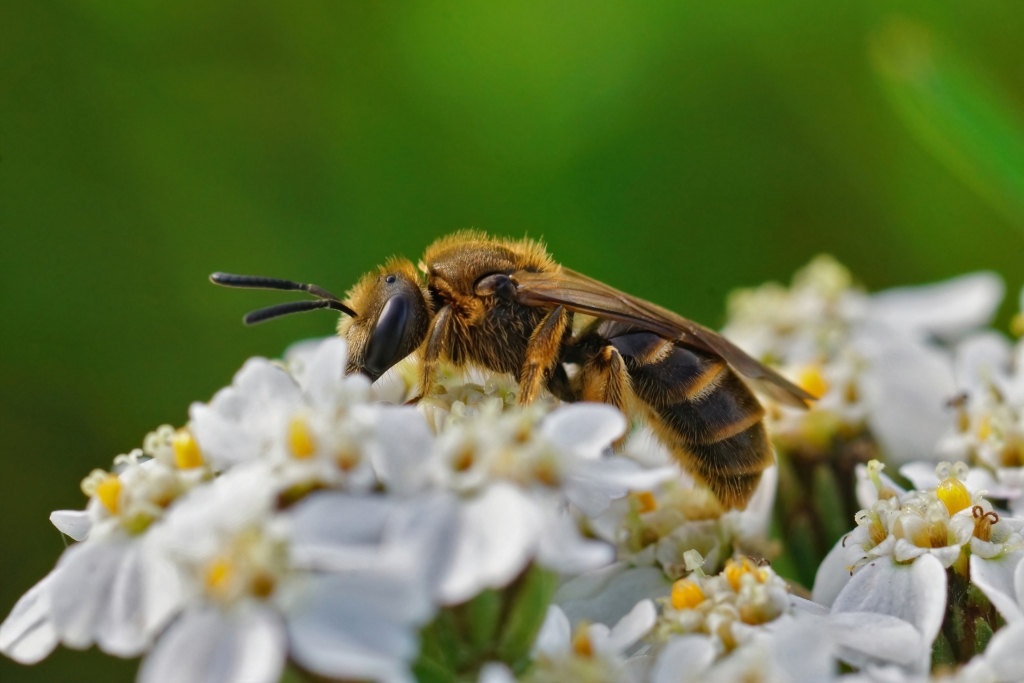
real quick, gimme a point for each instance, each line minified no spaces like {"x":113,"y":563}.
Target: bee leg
{"x":436,"y":338}
{"x":604,"y":379}
{"x":542,"y":353}
{"x":561,"y":386}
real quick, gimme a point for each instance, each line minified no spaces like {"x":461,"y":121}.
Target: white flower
{"x":894,"y":562}
{"x":343,"y":582}
{"x":515,"y":472}
{"x":797,"y":651}
{"x":658,"y":526}
{"x":939,"y":521}
{"x":987,"y":426}
{"x":743,"y":624}
{"x":872,"y":359}
{"x":111,"y":588}
{"x":607,"y":594}
{"x":594,"y":653}
{"x":317,"y":428}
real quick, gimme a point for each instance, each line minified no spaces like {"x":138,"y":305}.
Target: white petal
{"x":617,"y":476}
{"x":982,"y":358}
{"x":878,"y":636}
{"x":563,"y":549}
{"x":323,"y":377}
{"x":907,"y":387}
{"x":555,"y":635}
{"x":27,"y":634}
{"x":584,"y":429}
{"x":207,"y":645}
{"x":240,"y":420}
{"x":592,"y":499}
{"x":81,"y":589}
{"x":800,"y":651}
{"x":867,"y":492}
{"x":298,"y":356}
{"x":332,"y":518}
{"x":947,"y":556}
{"x":921,"y":474}
{"x":915,"y":593}
{"x":832,"y":575}
{"x":805,"y":606}
{"x":360,"y":625}
{"x":606,"y":598}
{"x":499,"y":531}
{"x":126,"y":625}
{"x":73,"y":523}
{"x":494,"y":672}
{"x":405,"y":443}
{"x":996,"y":579}
{"x":946,"y":309}
{"x":427,"y":529}
{"x":1005,"y":653}
{"x":684,"y":660}
{"x":905,"y":551}
{"x":632,"y":627}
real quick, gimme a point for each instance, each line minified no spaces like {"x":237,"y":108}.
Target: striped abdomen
{"x":702,"y":410}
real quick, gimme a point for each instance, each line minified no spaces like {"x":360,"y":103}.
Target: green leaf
{"x":801,"y":546}
{"x":427,"y":670}
{"x":942,"y":652}
{"x":292,"y":675}
{"x":982,"y":634}
{"x":829,"y":503}
{"x":482,"y":615}
{"x":525,"y":616}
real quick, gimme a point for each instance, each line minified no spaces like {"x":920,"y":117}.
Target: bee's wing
{"x":582,"y":294}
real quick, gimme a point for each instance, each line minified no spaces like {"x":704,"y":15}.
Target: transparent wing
{"x":579,"y":293}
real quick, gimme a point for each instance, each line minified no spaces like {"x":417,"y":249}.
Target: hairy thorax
{"x":487,"y":330}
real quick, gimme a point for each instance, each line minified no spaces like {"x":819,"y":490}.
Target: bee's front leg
{"x":436,"y":338}
{"x":542,"y":353}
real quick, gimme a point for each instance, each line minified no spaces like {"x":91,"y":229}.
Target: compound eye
{"x":387,"y":337}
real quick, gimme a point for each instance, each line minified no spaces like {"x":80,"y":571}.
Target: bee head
{"x":392,"y":319}
{"x":387,"y":314}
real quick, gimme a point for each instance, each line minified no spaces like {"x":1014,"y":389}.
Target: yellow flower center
{"x":219,"y":574}
{"x":581,"y":641}
{"x":186,"y":450}
{"x":300,"y":438}
{"x":734,"y":572}
{"x":984,"y":427}
{"x":109,"y":492}
{"x":646,"y":502}
{"x":464,"y":459}
{"x":953,"y":494}
{"x":346,"y":458}
{"x":812,"y":381}
{"x":686,"y":594}
{"x":545,"y":471}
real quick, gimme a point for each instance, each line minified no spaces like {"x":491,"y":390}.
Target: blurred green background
{"x":676,"y":149}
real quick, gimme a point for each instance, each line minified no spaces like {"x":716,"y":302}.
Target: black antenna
{"x":256,"y":282}
{"x":271,"y":312}
{"x":327,"y":300}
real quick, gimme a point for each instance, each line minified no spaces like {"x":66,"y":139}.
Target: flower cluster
{"x":308,"y":524}
{"x":879,"y":362}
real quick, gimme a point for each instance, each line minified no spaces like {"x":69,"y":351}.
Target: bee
{"x":507,"y":306}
